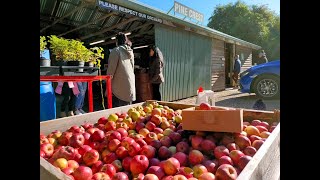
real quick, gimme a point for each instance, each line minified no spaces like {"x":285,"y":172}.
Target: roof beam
{"x":130,"y":30}
{"x":64,"y":16}
{"x":87,"y":24}
{"x":131,"y":37}
{"x":109,"y":28}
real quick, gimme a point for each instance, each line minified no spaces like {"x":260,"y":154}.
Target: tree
{"x":255,"y":24}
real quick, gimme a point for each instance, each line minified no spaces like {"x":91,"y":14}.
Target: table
{"x":88,"y":79}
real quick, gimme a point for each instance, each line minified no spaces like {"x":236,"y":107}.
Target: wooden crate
{"x":264,"y":165}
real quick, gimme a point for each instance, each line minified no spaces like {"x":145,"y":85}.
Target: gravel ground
{"x":234,"y":98}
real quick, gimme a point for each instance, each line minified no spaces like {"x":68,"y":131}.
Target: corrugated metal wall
{"x":218,"y":79}
{"x":187,"y":62}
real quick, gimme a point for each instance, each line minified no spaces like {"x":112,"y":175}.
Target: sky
{"x":206,"y":7}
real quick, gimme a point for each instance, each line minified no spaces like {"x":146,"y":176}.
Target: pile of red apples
{"x":147,"y":143}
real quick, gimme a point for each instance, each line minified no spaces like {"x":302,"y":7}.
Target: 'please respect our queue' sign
{"x":116,"y":7}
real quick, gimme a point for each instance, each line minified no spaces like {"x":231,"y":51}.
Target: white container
{"x":206,"y":96}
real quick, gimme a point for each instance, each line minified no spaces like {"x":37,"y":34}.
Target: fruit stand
{"x":264,"y":164}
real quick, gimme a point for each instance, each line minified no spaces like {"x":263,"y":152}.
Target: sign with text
{"x":188,"y":12}
{"x":122,"y":9}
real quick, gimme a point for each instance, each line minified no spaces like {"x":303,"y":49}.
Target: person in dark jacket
{"x":262,"y":57}
{"x":156,"y":64}
{"x":236,"y":70}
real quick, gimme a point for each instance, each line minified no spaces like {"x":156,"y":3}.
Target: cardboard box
{"x":218,"y":120}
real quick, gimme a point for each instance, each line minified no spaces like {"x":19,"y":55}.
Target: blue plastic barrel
{"x":47,"y":101}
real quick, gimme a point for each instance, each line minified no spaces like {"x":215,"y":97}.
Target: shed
{"x":194,"y":55}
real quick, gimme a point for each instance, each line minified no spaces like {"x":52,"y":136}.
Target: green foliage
{"x":255,"y":24}
{"x":43,"y":44}
{"x":97,"y":54}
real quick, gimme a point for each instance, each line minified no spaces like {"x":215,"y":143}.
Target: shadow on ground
{"x":248,"y":102}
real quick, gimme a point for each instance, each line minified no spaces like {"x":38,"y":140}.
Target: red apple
{"x":255,"y":122}
{"x":109,"y":158}
{"x":86,"y":137}
{"x":150,"y":126}
{"x":182,"y":147}
{"x":64,"y":138}
{"x":122,"y":125}
{"x":83,"y":149}
{"x":103,"y":120}
{"x":42,"y":154}
{"x":171,"y":166}
{"x":73,"y":164}
{"x":261,"y":128}
{"x":139,"y":176}
{"x":97,"y":136}
{"x":67,"y":171}
{"x":139,"y":126}
{"x":207,"y":145}
{"x":225,"y":160}
{"x":150,"y":177}
{"x":254,"y":137}
{"x":156,"y":144}
{"x":164,"y":153}
{"x":158,"y":130}
{"x":114,"y":135}
{"x":233,"y":146}
{"x":110,"y":126}
{"x":139,"y":164}
{"x":141,"y":142}
{"x":118,"y":165}
{"x":66,"y":152}
{"x":96,"y":166}
{"x":220,"y":151}
{"x":123,"y":132}
{"x":87,"y":125}
{"x":257,"y":144}
{"x":47,"y":148}
{"x":114,"y":144}
{"x":76,"y":140}
{"x":78,"y":157}
{"x":120,"y":176}
{"x":196,"y":142}
{"x":90,"y":157}
{"x":154,"y":162}
{"x":156,"y":119}
{"x":179,"y":177}
{"x":121,"y":152}
{"x":198,"y":170}
{"x":207,"y":176}
{"x":150,"y":137}
{"x":166,"y":141}
{"x":243,"y":161}
{"x":167,"y":178}
{"x":100,"y":176}
{"x":264,"y":124}
{"x":108,"y":169}
{"x":83,"y":173}
{"x":156,"y":170}
{"x":272,"y":128}
{"x":242,"y":141}
{"x":250,"y":151}
{"x":148,"y":151}
{"x":73,"y":128}
{"x":126,"y":163}
{"x":235,"y":155}
{"x":175,"y":137}
{"x":211,"y":165}
{"x":91,"y":130}
{"x":226,"y":172}
{"x":182,"y":158}
{"x":186,"y":172}
{"x":204,"y":106}
{"x":94,"y":145}
{"x":134,"y":149}
{"x":126,"y":142}
{"x":44,"y":140}
{"x":195,"y":157}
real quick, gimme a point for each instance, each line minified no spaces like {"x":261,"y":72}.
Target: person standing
{"x":121,"y":68}
{"x":79,"y":99}
{"x":262,"y":57}
{"x":236,"y":70}
{"x":156,"y":64}
{"x":69,"y":91}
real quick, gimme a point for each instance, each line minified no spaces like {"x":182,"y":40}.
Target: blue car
{"x":262,"y":79}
